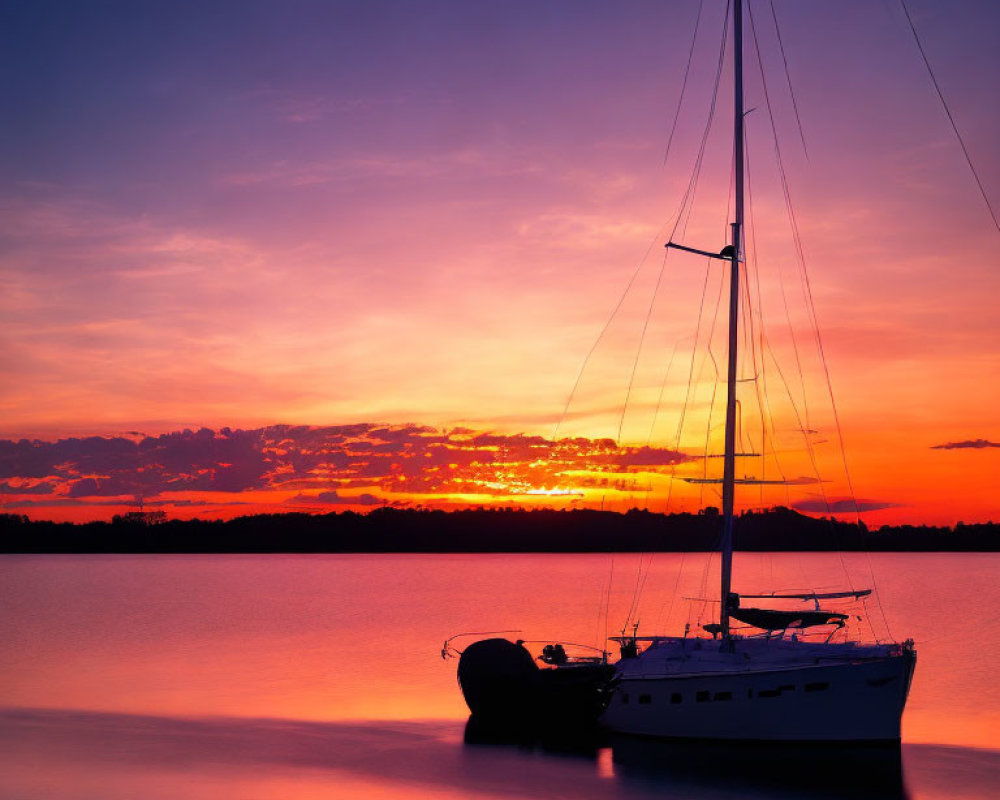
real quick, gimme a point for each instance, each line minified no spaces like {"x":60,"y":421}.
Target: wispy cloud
{"x":467,"y":162}
{"x":968,"y":444}
{"x":842,"y":505}
{"x":583,"y":231}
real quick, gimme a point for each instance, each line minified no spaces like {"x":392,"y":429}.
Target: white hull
{"x":733,"y":697}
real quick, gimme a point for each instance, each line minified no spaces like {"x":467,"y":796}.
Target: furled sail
{"x":773,"y":620}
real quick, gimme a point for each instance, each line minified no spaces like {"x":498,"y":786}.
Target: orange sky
{"x":322,"y":217}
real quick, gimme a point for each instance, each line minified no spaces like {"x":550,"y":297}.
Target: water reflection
{"x":584,"y":741}
{"x":78,"y":755}
{"x":824,"y":772}
{"x":643,"y":766}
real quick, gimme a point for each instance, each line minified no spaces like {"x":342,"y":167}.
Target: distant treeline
{"x":388,"y":530}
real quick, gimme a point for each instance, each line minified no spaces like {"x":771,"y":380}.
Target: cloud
{"x":463,"y":162}
{"x":334,"y":498}
{"x":42,"y":503}
{"x":969,"y":444}
{"x":390,"y":461}
{"x":43,"y":487}
{"x":583,"y":231}
{"x":302,"y":106}
{"x":842,"y":505}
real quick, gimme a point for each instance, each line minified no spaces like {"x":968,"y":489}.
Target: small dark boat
{"x":504,"y":685}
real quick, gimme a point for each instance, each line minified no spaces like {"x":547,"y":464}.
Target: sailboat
{"x":770,"y":681}
{"x":774,"y":685}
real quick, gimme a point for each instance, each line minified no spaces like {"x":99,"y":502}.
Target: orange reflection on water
{"x":359,"y":637}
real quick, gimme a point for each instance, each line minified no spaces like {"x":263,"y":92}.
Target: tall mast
{"x":729,"y":464}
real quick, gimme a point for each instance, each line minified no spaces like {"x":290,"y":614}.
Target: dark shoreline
{"x":389,"y":530}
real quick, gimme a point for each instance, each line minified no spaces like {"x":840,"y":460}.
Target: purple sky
{"x":253,"y":213}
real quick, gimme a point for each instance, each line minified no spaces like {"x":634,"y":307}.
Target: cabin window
{"x":817,"y":687}
{"x":676,"y":698}
{"x":702,"y":697}
{"x":881,"y":681}
{"x":786,"y":688}
{"x":769,"y":693}
{"x":645,"y":699}
{"x":722,"y":696}
{"x":625,"y":698}
{"x":749,"y":694}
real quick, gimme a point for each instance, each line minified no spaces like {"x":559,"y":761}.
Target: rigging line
{"x":685,"y":201}
{"x":788,"y":76}
{"x":663,"y":387}
{"x":750,"y":233}
{"x":763,"y":397}
{"x":598,"y":620}
{"x":867,"y":616}
{"x":812,"y":311}
{"x":656,"y":412}
{"x":746,"y":442}
{"x":751,"y":259}
{"x":687,"y":198}
{"x":951,"y":119}
{"x":747,"y":332}
{"x":684,"y":83}
{"x":673,"y":595}
{"x":638,"y":352}
{"x":642,"y":586}
{"x":795,"y":235}
{"x":600,"y":336}
{"x":708,"y":427}
{"x":811,"y":307}
{"x":641,"y":578}
{"x":607,"y":602}
{"x":636,"y":590}
{"x":798,"y":419}
{"x":795,"y":350}
{"x":759,"y":361}
{"x":709,"y":355}
{"x":711,"y":336}
{"x":810,"y":450}
{"x":694,"y":351}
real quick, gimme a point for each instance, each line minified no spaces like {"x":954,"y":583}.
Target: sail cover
{"x":772,"y":620}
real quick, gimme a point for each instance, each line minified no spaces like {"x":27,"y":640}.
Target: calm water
{"x":321,"y":676}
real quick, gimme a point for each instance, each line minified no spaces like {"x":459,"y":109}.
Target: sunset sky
{"x":366,"y":247}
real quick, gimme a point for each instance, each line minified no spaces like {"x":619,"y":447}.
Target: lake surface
{"x":321,"y":676}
